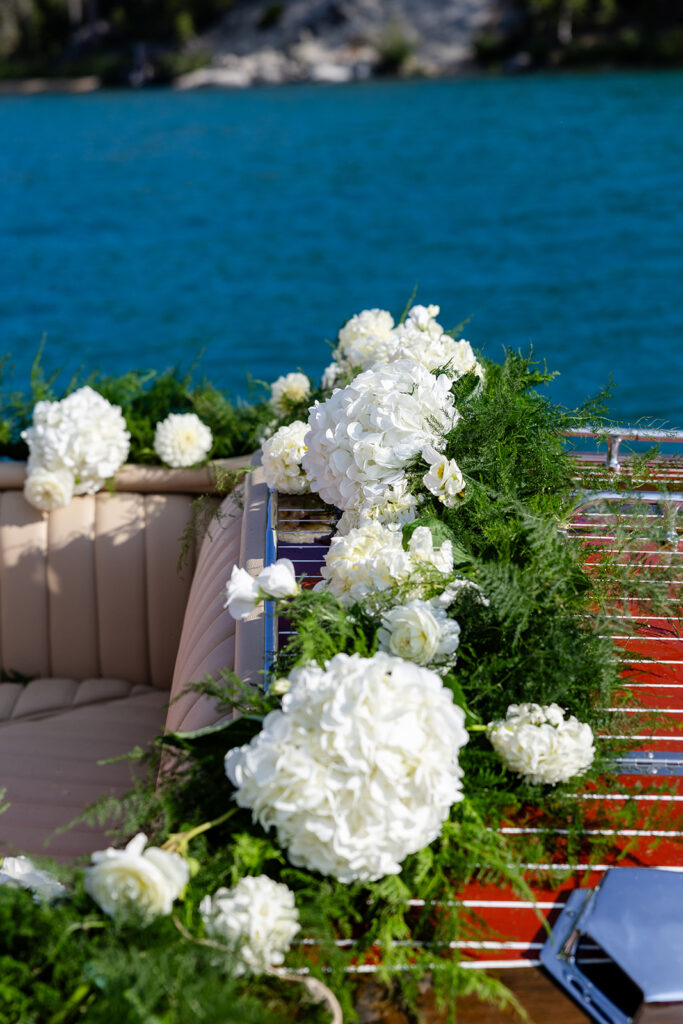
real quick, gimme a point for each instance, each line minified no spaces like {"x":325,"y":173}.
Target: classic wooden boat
{"x":93,"y":612}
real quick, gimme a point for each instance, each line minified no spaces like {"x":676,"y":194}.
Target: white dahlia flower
{"x":358,"y":769}
{"x":83,"y":434}
{"x":361,"y":439}
{"x":182,"y":440}
{"x":48,"y":489}
{"x":365,"y":338}
{"x":420,"y":631}
{"x":292,"y":389}
{"x":258,"y":918}
{"x":538,"y":742}
{"x":282,"y":455}
{"x":443,"y":478}
{"x":147,"y":881}
{"x":370,"y":559}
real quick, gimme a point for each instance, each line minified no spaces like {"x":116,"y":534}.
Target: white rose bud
{"x":134,"y":878}
{"x":278,"y":580}
{"x":48,"y":489}
{"x":241,"y":593}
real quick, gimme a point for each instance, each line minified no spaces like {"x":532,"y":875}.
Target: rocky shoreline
{"x":336,"y":41}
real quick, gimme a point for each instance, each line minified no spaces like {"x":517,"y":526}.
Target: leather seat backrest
{"x":93,"y":589}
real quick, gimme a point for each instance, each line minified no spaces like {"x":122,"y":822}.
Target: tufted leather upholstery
{"x":92,"y":605}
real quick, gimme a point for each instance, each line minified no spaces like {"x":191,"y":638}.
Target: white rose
{"x":258,"y":918}
{"x":146,"y":880}
{"x":419,"y":631}
{"x":292,"y":389}
{"x":536,"y":741}
{"x":358,"y":769}
{"x":443,"y":478}
{"x":278,"y":580}
{"x":182,"y":440}
{"x":48,"y":489}
{"x":22,"y":873}
{"x":282,"y":456}
{"x":241,"y":593}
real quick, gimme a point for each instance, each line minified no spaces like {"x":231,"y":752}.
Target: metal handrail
{"x":615,"y":435}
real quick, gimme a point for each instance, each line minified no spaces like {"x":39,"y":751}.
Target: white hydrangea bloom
{"x":361,"y":439}
{"x":421,"y":337}
{"x":48,"y":489}
{"x":370,"y":559}
{"x":22,"y":873}
{"x":399,"y":509}
{"x":537,"y":741}
{"x":182,"y":440}
{"x":364,"y":338}
{"x":443,"y":478}
{"x":282,"y":455}
{"x":330,"y":376}
{"x":358,"y":769}
{"x":420,"y":631}
{"x":147,"y":880}
{"x":287,"y":391}
{"x":83,"y":434}
{"x":258,"y":918}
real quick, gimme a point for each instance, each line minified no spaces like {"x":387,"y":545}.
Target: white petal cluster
{"x":182,"y":440}
{"x":537,"y":741}
{"x":358,"y":769}
{"x":420,"y":631}
{"x":244,"y":591}
{"x":282,"y":455}
{"x":22,"y":873}
{"x":370,"y":337}
{"x":400,"y":507}
{"x":443,"y":478}
{"x":421,"y":337}
{"x":365,"y":338}
{"x":83,"y":436}
{"x":292,"y":389}
{"x":371,"y":559}
{"x":257,"y":917}
{"x":361,"y":439}
{"x":135,"y":878}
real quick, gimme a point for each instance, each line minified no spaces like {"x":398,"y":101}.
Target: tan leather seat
{"x":92,"y":610}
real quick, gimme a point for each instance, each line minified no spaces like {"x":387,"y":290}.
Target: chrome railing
{"x":615,"y":435}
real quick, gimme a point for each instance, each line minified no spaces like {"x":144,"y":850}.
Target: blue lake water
{"x":139,"y":228}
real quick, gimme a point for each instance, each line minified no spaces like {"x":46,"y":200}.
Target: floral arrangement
{"x":453,"y":669}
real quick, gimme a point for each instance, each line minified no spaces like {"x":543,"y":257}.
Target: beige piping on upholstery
{"x":143,"y":479}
